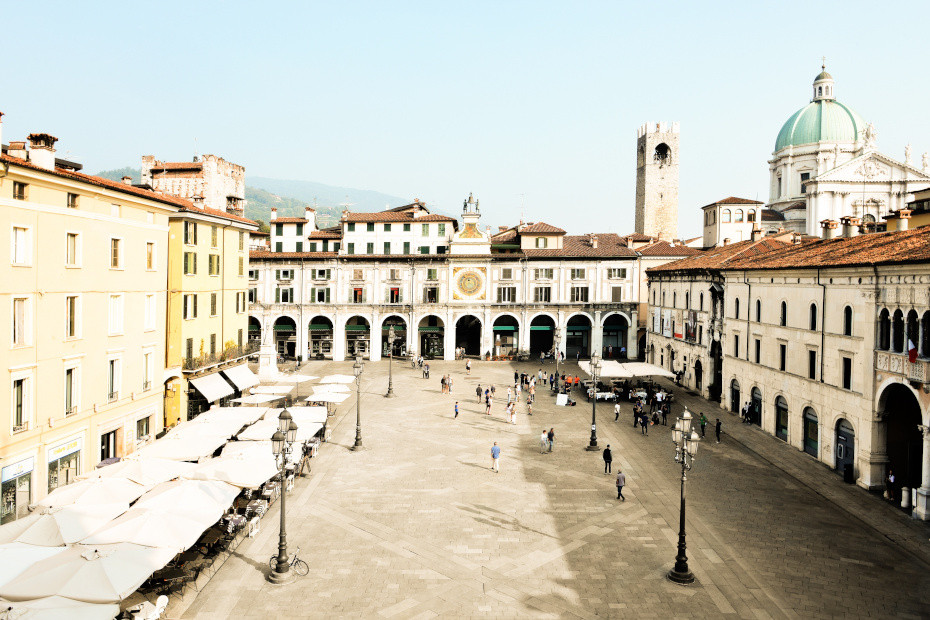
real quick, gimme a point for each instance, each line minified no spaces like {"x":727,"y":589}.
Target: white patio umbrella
{"x":101,"y":574}
{"x":338,"y":379}
{"x":94,"y":491}
{"x":16,"y":557}
{"x":187,"y":442}
{"x":155,"y":528}
{"x":257,"y":399}
{"x":335,"y":388}
{"x":248,"y":471}
{"x":302,"y":415}
{"x":68,"y":524}
{"x":145,"y":471}
{"x":327,"y":397}
{"x":58,"y":607}
{"x":260,"y":431}
{"x":294,"y":378}
{"x":191,"y":496}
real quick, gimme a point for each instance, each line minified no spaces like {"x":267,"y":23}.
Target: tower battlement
{"x":660,"y":127}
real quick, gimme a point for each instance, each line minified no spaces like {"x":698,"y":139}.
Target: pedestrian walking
{"x":516,"y":376}
{"x":616,"y":412}
{"x":608,"y":459}
{"x":456,"y":409}
{"x":577,"y":356}
{"x":513,"y":413}
{"x":449,"y":383}
{"x":478,"y":392}
{"x":509,"y":394}
{"x":543,"y":441}
{"x":644,"y":423}
{"x":468,"y":367}
{"x":703,"y":421}
{"x":623,"y":352}
{"x":550,"y":436}
{"x":610,"y":351}
{"x":496,"y":458}
{"x":493,"y":390}
{"x":426,"y":369}
{"x":665,"y":408}
{"x":717,"y":429}
{"x":529,"y":407}
{"x":621,"y":482}
{"x":489,"y":400}
{"x":442,"y":383}
{"x":889,"y":486}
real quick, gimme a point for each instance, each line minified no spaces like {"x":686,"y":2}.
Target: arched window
{"x":884,"y":330}
{"x":701,"y":302}
{"x":758,"y":311}
{"x":736,"y":308}
{"x":663,"y":154}
{"x":751,"y":215}
{"x":811,"y":432}
{"x":847,"y":321}
{"x":725,"y":216}
{"x":781,"y":418}
{"x":897,"y":332}
{"x":913,"y":329}
{"x":784,"y":314}
{"x":925,"y":335}
{"x":820,"y":91}
{"x":739,"y":216}
{"x":813,"y":317}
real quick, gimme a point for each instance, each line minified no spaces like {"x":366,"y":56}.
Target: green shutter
{"x":277,"y":295}
{"x":312,"y":295}
{"x":290,"y":294}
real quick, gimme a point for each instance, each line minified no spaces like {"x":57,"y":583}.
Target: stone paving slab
{"x":417,"y":526}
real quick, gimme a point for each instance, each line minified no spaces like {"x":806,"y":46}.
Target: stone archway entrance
{"x":900,"y":413}
{"x":255,"y":330}
{"x":506,"y":335}
{"x":615,"y":334}
{"x":734,"y":396}
{"x":400,"y":337}
{"x":358,"y":337}
{"x":468,"y":334}
{"x":755,"y":407}
{"x":320,"y":338}
{"x":716,"y":362}
{"x":285,"y":337}
{"x":698,"y":375}
{"x":846,"y":450}
{"x":578,"y":336}
{"x":432,"y":337}
{"x":542,"y":335}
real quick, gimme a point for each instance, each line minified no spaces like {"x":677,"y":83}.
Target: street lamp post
{"x":595,"y":369}
{"x":357,"y":367}
{"x":281,"y":444}
{"x":686,"y":442}
{"x":390,"y":392}
{"x":558,"y":341}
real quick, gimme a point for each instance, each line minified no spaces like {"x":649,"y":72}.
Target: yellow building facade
{"x":84,"y":271}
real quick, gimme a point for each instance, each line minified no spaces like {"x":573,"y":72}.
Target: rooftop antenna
{"x":196,"y":152}
{"x":522,"y":201}
{"x":345,"y":205}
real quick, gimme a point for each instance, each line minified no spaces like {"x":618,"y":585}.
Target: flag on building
{"x":911,"y":351}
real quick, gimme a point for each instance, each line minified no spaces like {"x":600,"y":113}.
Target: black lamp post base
{"x":682,"y":578}
{"x":281,"y":579}
{"x":592,"y":447}
{"x":390,"y":394}
{"x":358,"y":447}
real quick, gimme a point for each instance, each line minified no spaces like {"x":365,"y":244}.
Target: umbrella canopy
{"x":94,"y":491}
{"x":191,"y":497}
{"x":258,"y":399}
{"x":272,"y":389}
{"x":248,"y":471}
{"x":294,"y":378}
{"x":145,"y":471}
{"x":102,"y":574}
{"x":335,"y":388}
{"x":155,"y":528}
{"x":641,"y":369}
{"x":260,"y":448}
{"x":303,"y":415}
{"x":609,"y":368}
{"x":326,"y":397}
{"x":15,"y":557}
{"x":338,"y":379}
{"x":68,"y":524}
{"x":187,"y":442}
{"x":57,"y":607}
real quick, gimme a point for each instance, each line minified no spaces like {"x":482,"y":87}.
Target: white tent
{"x":212,"y":387}
{"x":257,"y":399}
{"x":68,"y":524}
{"x":309,"y":421}
{"x":145,"y":471}
{"x":609,"y":369}
{"x":294,"y":378}
{"x":304,"y":414}
{"x":191,"y":496}
{"x":641,"y":369}
{"x":188,"y":442}
{"x":94,"y":491}
{"x":241,"y":376}
{"x":155,"y":527}
{"x":252,"y":448}
{"x":58,"y":607}
{"x":101,"y":574}
{"x":338,"y":379}
{"x":228,"y":420}
{"x":248,"y":471}
{"x":272,"y":389}
{"x":15,"y":557}
{"x":335,"y":388}
{"x":326,"y":397}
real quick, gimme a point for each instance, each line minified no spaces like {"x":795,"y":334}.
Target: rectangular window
{"x":805,"y":176}
{"x":278,"y":230}
{"x":278,"y":246}
{"x":72,"y":201}
{"x":847,"y":373}
{"x":544,"y":274}
{"x":387,"y":247}
{"x":758,"y":350}
{"x":214,"y":237}
{"x":70,"y":391}
{"x":617,"y":273}
{"x":506,"y":294}
{"x":406,"y":244}
{"x":424,"y":249}
{"x":143,"y":430}
{"x":432,"y":274}
{"x":506,"y":274}
{"x":425,"y":230}
{"x":147,"y":370}
{"x":20,"y":319}
{"x":542,"y":294}
{"x":350,"y":248}
{"x":442,"y":230}
{"x":240,"y":302}
{"x":71,"y":316}
{"x":812,"y":364}
{"x":72,"y":253}
{"x":190,"y":233}
{"x":542,"y":242}
{"x":300,"y":229}
{"x":577,"y":274}
{"x":321,"y":274}
{"x":387,"y":228}
{"x":189,"y":348}
{"x":284,"y":274}
{"x":19,"y":404}
{"x":19,"y":190}
{"x":116,"y":315}
{"x":298,"y":247}
{"x":394,"y":295}
{"x":150,"y":255}
{"x":782,"y":357}
{"x":394,"y":274}
{"x":358,"y":274}
{"x":322,"y":295}
{"x":113,"y":380}
{"x":253,"y":295}
{"x":116,"y":253}
{"x":616,"y":294}
{"x":214,"y":265}
{"x":212,"y":344}
{"x":285,"y":295}
{"x":241,"y":241}
{"x":20,"y":246}
{"x":190,"y":306}
{"x":431,"y":295}
{"x":358,"y":295}
{"x":212,"y":304}
{"x":149,"y":312}
{"x":241,"y":265}
{"x":735,"y":345}
{"x":350,"y":226}
{"x":115,"y":210}
{"x":370,"y":227}
{"x":312,"y":247}
{"x":190,"y":263}
{"x":369,"y":248}
{"x":579,"y":294}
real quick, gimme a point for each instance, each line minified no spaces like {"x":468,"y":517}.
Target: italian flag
{"x":911,"y":351}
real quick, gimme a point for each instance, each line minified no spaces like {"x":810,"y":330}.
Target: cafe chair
{"x":254,"y":526}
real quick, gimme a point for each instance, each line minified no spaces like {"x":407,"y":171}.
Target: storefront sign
{"x":65,"y":449}
{"x":17,"y":469}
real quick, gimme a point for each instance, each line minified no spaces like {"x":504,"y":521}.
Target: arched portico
{"x":615,"y":329}
{"x":285,"y":337}
{"x":358,"y":337}
{"x":320,"y":338}
{"x":400,"y":336}
{"x":431,"y":330}
{"x":468,"y":334}
{"x":542,"y":334}
{"x":255,"y":330}
{"x":902,"y":422}
{"x":506,"y":329}
{"x":578,"y":335}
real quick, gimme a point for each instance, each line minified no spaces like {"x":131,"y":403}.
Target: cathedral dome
{"x":824,"y":119}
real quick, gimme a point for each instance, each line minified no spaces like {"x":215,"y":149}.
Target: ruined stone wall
{"x":222,"y":179}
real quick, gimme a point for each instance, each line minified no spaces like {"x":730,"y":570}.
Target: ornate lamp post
{"x":282,"y":443}
{"x":357,"y":367}
{"x":595,"y":370}
{"x":558,"y":341}
{"x":686,"y":442}
{"x":390,"y":392}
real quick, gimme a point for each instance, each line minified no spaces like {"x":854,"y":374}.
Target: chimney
{"x":310,"y":216}
{"x":903,"y":216}
{"x":828,"y":229}
{"x":850,"y":225}
{"x":594,"y":241}
{"x":796,"y":238}
{"x":17,"y":149}
{"x":42,"y":150}
{"x":127,"y":180}
{"x":629,"y":242}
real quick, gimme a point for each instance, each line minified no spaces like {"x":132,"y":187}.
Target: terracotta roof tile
{"x":733,"y":200}
{"x":283,"y":255}
{"x":638,"y":237}
{"x":665,"y":248}
{"x":259,"y":233}
{"x":288,"y":220}
{"x":218,"y":213}
{"x":504,"y":236}
{"x":395,"y":216}
{"x":771,"y":215}
{"x":542,"y":228}
{"x":720,"y":256}
{"x":609,"y":245}
{"x":325,"y":234}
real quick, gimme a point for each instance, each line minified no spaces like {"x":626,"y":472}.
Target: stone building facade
{"x":207,"y":181}
{"x":657,"y":152}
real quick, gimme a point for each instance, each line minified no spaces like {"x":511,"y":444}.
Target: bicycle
{"x":300,"y":567}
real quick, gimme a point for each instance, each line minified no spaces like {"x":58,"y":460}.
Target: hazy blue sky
{"x":437,"y":99}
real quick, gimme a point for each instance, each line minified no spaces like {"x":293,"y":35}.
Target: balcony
{"x":896,"y":363}
{"x":230,"y":354}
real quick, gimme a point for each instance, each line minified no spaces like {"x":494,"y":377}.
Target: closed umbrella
{"x":145,"y":471}
{"x":155,"y":528}
{"x":101,"y":574}
{"x":191,"y":496}
{"x":58,"y":607}
{"x":68,"y":524}
{"x":93,"y":491}
{"x":15,"y":557}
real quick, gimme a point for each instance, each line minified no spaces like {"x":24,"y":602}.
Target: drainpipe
{"x":823,"y":320}
{"x":748,"y":312}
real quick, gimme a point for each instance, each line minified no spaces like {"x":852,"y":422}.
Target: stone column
{"x":597,"y":334}
{"x":302,"y":350}
{"x":448,"y":336}
{"x":487,"y":332}
{"x":922,"y":509}
{"x":561,"y":326}
{"x":632,"y":336}
{"x":339,"y":338}
{"x":374,"y":337}
{"x":523,"y":336}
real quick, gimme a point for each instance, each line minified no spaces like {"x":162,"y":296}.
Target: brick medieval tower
{"x":657,"y":180}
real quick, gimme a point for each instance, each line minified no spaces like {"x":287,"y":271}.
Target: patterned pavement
{"x":418,"y":526}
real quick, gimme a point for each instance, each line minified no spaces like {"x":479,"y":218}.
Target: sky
{"x":533,"y":106}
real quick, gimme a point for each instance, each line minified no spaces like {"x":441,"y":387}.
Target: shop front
{"x":64,"y":463}
{"x":16,"y":489}
{"x":320,"y":331}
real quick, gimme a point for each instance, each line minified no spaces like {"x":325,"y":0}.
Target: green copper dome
{"x":823,"y":120}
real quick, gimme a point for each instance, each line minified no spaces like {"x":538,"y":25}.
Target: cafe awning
{"x":241,"y":376}
{"x":213,"y":387}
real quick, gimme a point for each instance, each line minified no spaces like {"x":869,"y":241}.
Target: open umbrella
{"x":57,"y":607}
{"x":294,"y":378}
{"x":338,"y":379}
{"x":272,"y":389}
{"x":145,"y":471}
{"x":335,"y":388}
{"x":191,"y":496}
{"x":15,"y":557}
{"x":248,"y":471}
{"x":326,"y":397}
{"x":102,"y":574}
{"x":155,"y":528}
{"x":68,"y":524}
{"x":93,"y":491}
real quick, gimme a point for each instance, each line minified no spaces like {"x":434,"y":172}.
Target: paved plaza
{"x":418,"y":526}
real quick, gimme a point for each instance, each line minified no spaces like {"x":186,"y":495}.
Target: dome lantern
{"x":823,"y":85}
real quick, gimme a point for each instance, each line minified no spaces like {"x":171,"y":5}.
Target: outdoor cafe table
{"x":189,"y":556}
{"x":211,"y":536}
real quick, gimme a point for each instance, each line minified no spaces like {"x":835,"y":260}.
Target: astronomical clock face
{"x":469,"y":283}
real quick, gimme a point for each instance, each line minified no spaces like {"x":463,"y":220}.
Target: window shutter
{"x":290,"y":295}
{"x":195,"y":306}
{"x":364,"y":296}
{"x":195,"y":240}
{"x":194,"y":256}
{"x":277,"y":295}
{"x":277,"y":274}
{"x":327,"y":295}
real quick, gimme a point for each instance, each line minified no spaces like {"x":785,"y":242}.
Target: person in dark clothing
{"x":644,"y":423}
{"x":516,"y":376}
{"x":608,"y":459}
{"x":665,"y":407}
{"x":478,"y":392}
{"x":717,"y":428}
